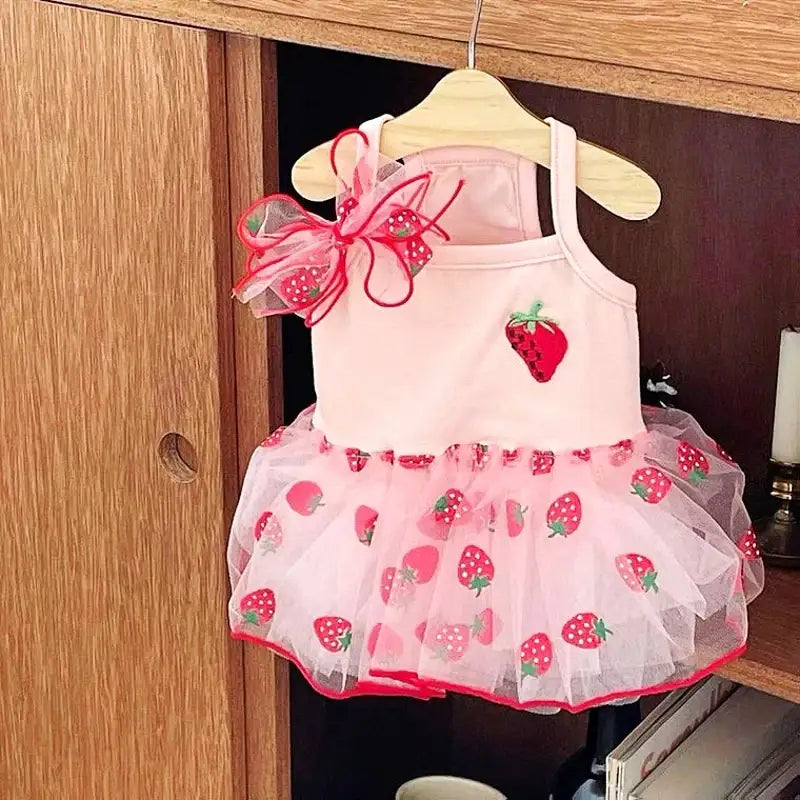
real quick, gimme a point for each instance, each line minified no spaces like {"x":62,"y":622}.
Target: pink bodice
{"x":510,"y":338}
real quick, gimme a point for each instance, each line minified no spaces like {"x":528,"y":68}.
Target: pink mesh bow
{"x":301,"y":263}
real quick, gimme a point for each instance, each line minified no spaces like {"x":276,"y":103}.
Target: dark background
{"x":717,"y":269}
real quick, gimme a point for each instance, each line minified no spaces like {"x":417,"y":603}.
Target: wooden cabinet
{"x":118,"y":677}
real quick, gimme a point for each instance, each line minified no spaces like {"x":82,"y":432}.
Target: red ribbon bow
{"x":298,"y":262}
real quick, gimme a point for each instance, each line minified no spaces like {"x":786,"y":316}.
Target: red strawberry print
{"x":345,"y":208}
{"x":268,"y":532}
{"x":535,"y":655}
{"x":356,"y":459}
{"x":621,"y":453}
{"x":724,"y":454}
{"x":651,"y":484}
{"x":748,"y":544}
{"x":480,"y":457}
{"x":334,"y":633}
{"x":582,"y":455}
{"x":487,"y":517}
{"x":403,"y":223}
{"x":585,"y":631}
{"x":258,"y":607}
{"x":301,"y":287}
{"x":451,"y":508}
{"x":325,"y":446}
{"x":538,"y":341}
{"x":415,"y":462}
{"x":692,"y":463}
{"x":564,"y":515}
{"x":416,"y":254}
{"x":420,"y":631}
{"x":366,"y":518}
{"x":486,"y":626}
{"x":637,"y":571}
{"x":419,"y":565}
{"x":475,"y":569}
{"x":542,"y":462}
{"x":387,"y":456}
{"x":515,"y":517}
{"x":274,"y":438}
{"x":450,"y":641}
{"x":384,"y":644}
{"x":510,"y":457}
{"x":304,"y":497}
{"x":394,"y":590}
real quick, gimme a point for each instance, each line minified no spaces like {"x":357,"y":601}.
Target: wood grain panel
{"x":686,"y":86}
{"x":757,"y":43}
{"x":253,"y":153}
{"x":118,"y":676}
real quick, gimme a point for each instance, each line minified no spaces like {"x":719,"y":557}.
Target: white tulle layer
{"x":532,"y":579}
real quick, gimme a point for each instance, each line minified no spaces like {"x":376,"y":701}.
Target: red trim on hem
{"x":660,"y":688}
{"x":361,"y":689}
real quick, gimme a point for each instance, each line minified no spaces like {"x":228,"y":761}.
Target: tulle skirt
{"x":534,"y":579}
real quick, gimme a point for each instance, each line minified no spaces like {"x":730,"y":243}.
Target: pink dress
{"x":477,"y":502}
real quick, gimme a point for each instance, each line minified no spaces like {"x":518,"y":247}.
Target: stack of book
{"x":712,"y":741}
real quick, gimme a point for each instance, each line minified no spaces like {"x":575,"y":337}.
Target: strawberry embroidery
{"x":387,"y":456}
{"x":415,"y":462}
{"x":637,"y":571}
{"x":394,"y":591}
{"x":538,"y":341}
{"x":451,"y":507}
{"x":450,"y":642}
{"x":486,"y":627}
{"x":268,"y":532}
{"x":651,"y":484}
{"x":621,"y":453}
{"x":748,"y":544}
{"x":334,"y":633}
{"x":510,"y":457}
{"x":542,"y":462}
{"x":274,"y":438}
{"x":480,"y":457}
{"x":585,"y":631}
{"x":356,"y":459}
{"x":301,"y":286}
{"x":535,"y":655}
{"x":724,"y":454}
{"x":366,"y":518}
{"x":564,"y":515}
{"x":515,"y":517}
{"x":403,"y":224}
{"x":692,"y":464}
{"x":384,"y":644}
{"x":419,"y":564}
{"x":304,"y":497}
{"x":475,"y":569}
{"x":258,"y":607}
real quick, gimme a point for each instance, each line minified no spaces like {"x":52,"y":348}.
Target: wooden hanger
{"x":471,"y":107}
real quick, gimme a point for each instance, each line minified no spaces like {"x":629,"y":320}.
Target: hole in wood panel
{"x":178,"y":457}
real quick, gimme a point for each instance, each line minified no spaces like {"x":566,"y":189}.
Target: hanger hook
{"x":473,"y":34}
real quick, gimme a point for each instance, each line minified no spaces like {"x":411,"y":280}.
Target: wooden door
{"x":117,"y":677}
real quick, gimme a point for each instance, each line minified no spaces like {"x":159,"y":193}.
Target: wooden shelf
{"x":772,"y":660}
{"x":726,"y":57}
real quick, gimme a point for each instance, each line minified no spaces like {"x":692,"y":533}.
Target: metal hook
{"x":473,"y":34}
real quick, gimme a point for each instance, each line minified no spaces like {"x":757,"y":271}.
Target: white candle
{"x":786,"y":431}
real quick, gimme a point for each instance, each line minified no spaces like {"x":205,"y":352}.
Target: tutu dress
{"x":477,"y":502}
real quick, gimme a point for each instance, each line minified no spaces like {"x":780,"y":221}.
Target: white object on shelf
{"x":446,"y":787}
{"x":786,"y":431}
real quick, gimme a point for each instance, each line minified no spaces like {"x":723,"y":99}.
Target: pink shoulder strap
{"x":563,"y":177}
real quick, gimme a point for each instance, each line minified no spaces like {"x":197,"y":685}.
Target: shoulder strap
{"x":368,"y":154}
{"x":563,"y":179}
